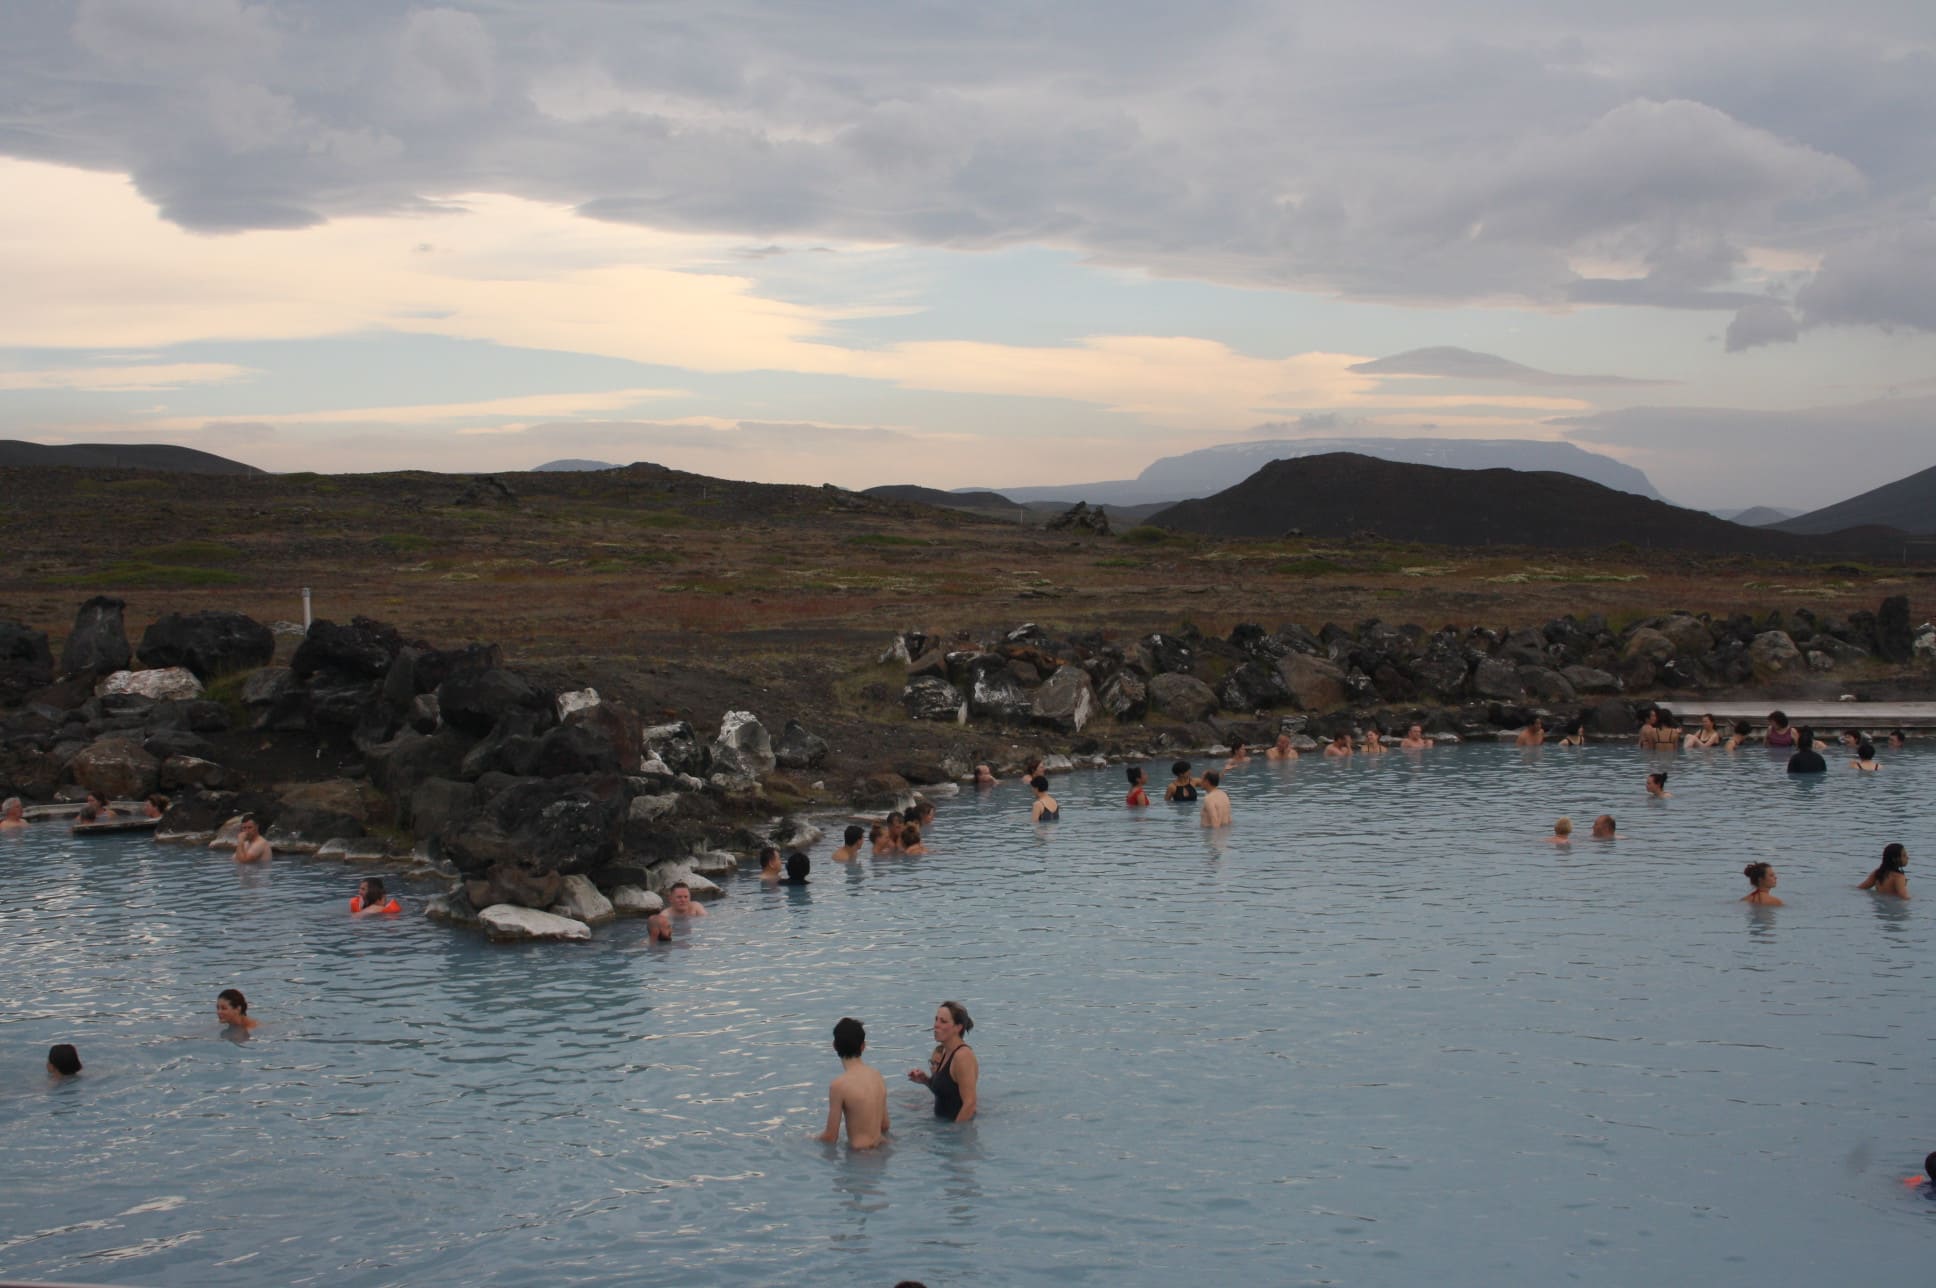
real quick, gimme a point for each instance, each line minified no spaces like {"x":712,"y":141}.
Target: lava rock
{"x":678,"y":748}
{"x":99,"y":641}
{"x":798,"y":749}
{"x":1066,"y":701}
{"x":563,"y":825}
{"x":116,"y":767}
{"x":362,"y":650}
{"x":1254,"y":686}
{"x":26,"y":663}
{"x":1895,"y":641}
{"x":744,"y":748}
{"x":1125,"y":696}
{"x":1773,"y":656}
{"x":1313,"y":683}
{"x":510,"y":923}
{"x":1182,"y":697}
{"x":168,"y":682}
{"x":476,"y":702}
{"x":209,"y":643}
{"x":932,"y":698}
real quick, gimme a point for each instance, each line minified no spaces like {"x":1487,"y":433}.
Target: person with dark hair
{"x":1216,"y":802}
{"x":1375,"y":740}
{"x":1708,"y":735}
{"x":371,"y":900}
{"x":232,"y":1009}
{"x":769,"y":863}
{"x":953,"y":1073}
{"x":98,"y":803}
{"x":1806,"y":759}
{"x":63,"y":1061}
{"x":1045,"y":809}
{"x":883,"y":840}
{"x":1138,"y":794}
{"x":1761,"y":877}
{"x":1779,"y":733}
{"x":911,"y":840}
{"x":797,"y":867}
{"x":1281,"y":749}
{"x":1340,"y":744}
{"x":859,"y":1094}
{"x":1891,"y":877}
{"x":922,"y":815}
{"x":12,"y":814}
{"x":1743,"y":734}
{"x":155,"y":806}
{"x":1239,"y":755}
{"x":1574,"y":735}
{"x":1414,"y":739}
{"x":985,"y":777}
{"x":1852,"y":738}
{"x":1865,"y":758}
{"x":1182,"y":786}
{"x":1531,"y":734}
{"x":1896,"y":740}
{"x":250,"y":845}
{"x":1657,"y":786}
{"x":679,"y":901}
{"x":849,"y":849}
{"x":1650,"y":730}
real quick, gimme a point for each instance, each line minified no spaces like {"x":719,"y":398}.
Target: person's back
{"x":858,"y":1095}
{"x":1216,"y":803}
{"x":1806,"y":759}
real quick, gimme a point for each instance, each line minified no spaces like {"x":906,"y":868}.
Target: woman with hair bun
{"x":1762,"y":877}
{"x":953,"y":1072}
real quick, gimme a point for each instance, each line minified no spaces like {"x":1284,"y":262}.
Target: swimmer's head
{"x":1563,"y":828}
{"x":89,"y":812}
{"x":854,"y":833}
{"x":66,"y":1061}
{"x":797,"y":866}
{"x":1743,"y":728}
{"x":959,"y":1014}
{"x":1865,"y":751}
{"x":1039,"y":783}
{"x":1657,"y":779}
{"x":11,"y":807}
{"x":894,"y":821}
{"x":1603,"y":826}
{"x":1212,"y":777}
{"x":1805,"y":738}
{"x":850,"y":1038}
{"x":1135,"y":775}
{"x":769,"y":855}
{"x":910,"y":835}
{"x":1180,"y":768}
{"x":1759,"y":874}
{"x":1929,"y":1166}
{"x":230,"y":1006}
{"x":1779,"y":719}
{"x":1894,"y":857}
{"x":922,"y":813}
{"x":370,"y":891}
{"x":97,"y":800}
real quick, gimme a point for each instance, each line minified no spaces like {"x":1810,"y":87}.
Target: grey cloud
{"x":1887,"y":280}
{"x":744,"y":436}
{"x":1464,"y":364}
{"x":1763,"y":322}
{"x":1382,"y":154}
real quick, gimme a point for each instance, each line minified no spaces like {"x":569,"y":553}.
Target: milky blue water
{"x":1380,"y":1033}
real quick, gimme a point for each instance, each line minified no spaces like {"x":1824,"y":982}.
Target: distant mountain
{"x":1211,"y":469}
{"x":947,"y":500}
{"x":570,"y":464}
{"x":1757,"y":516}
{"x":1342,"y":493}
{"x":1908,"y":504}
{"x":120,"y":456}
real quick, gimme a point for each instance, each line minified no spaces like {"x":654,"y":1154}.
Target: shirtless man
{"x":850,"y":851}
{"x":859,"y":1094}
{"x":658,"y":928}
{"x":1281,"y":749}
{"x":1340,"y":745}
{"x":1604,"y":828}
{"x":769,"y":863}
{"x":1532,"y":735}
{"x":250,"y":845}
{"x":1215,"y":811}
{"x":12,"y":814}
{"x":679,"y":901}
{"x":1414,"y":739}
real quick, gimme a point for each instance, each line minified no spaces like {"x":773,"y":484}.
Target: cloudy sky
{"x":997,"y":243}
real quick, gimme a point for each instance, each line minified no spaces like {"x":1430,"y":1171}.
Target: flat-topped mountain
{"x":119,"y":456}
{"x":1345,"y":493}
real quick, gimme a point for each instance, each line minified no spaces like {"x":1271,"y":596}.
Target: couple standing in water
{"x":859,"y":1094}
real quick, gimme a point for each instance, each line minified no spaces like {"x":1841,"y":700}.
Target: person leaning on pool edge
{"x":953,"y":1073}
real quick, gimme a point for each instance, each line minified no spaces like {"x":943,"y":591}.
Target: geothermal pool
{"x":1381,"y":1033}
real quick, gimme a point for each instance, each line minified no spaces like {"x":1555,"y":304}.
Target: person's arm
{"x":831,"y":1133}
{"x":1869,"y":882}
{"x":916,"y":1075}
{"x":967,"y":1072}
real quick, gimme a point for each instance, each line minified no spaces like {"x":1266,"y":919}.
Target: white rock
{"x":508,"y":921}
{"x":937,"y":790}
{"x":896,"y":651}
{"x":661,"y":877}
{"x":690,"y":783}
{"x":633,"y":901}
{"x":225,"y":835}
{"x":653,"y":765}
{"x":713,"y":863}
{"x":803,"y":836}
{"x":581,"y":901}
{"x":645,"y":809}
{"x":358,"y":849}
{"x":743,"y":745}
{"x":577,"y":700}
{"x":1057,"y":764}
{"x":163,"y":682}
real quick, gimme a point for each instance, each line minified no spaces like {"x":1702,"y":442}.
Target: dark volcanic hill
{"x":947,"y":500}
{"x":1343,"y":493}
{"x":120,"y":456}
{"x":1908,"y":504}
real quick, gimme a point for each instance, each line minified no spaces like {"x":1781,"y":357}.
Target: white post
{"x":306,"y":618}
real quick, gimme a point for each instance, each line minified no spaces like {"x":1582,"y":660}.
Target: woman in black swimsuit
{"x":1045,"y":809}
{"x":953,"y":1071}
{"x":1183,"y":787}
